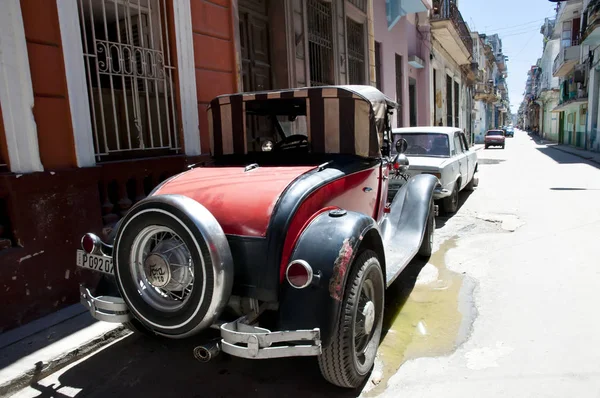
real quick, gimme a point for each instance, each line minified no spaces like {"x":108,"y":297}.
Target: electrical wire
{"x":516,"y":26}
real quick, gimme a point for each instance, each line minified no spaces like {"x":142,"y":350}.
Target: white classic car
{"x":443,"y":152}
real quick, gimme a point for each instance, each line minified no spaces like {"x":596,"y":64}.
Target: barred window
{"x":129,"y":72}
{"x":356,"y":52}
{"x":320,"y":42}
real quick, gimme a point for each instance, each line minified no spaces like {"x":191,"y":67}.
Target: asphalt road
{"x":507,"y":306}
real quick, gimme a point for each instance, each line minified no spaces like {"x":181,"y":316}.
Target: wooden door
{"x":255,"y":44}
{"x":256,"y":60}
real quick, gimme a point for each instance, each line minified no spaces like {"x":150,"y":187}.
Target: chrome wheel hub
{"x":369,"y":314}
{"x":157,"y":270}
{"x":162,"y":267}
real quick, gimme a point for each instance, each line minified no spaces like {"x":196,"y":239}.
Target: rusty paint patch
{"x":340,"y":267}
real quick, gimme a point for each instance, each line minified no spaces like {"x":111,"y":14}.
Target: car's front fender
{"x":329,"y":245}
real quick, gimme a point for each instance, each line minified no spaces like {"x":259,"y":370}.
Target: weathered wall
{"x":51,"y":104}
{"x":49,"y":213}
{"x":404,"y":39}
{"x":214,"y":55}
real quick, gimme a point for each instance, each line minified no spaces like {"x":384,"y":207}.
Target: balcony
{"x":568,"y":10}
{"x":451,"y":31}
{"x":501,"y":62}
{"x":470,"y":71}
{"x":486,"y":92}
{"x":566,"y":60}
{"x":591,"y":34}
{"x":502,"y":85}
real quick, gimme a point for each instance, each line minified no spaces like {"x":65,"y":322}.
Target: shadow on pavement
{"x":151,"y":367}
{"x":443,"y":218}
{"x":564,"y":157}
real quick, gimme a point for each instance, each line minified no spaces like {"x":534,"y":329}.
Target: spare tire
{"x":171,"y":281}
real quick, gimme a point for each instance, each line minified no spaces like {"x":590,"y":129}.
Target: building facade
{"x":402,"y":59}
{"x":101,"y":100}
{"x":571,"y":66}
{"x":453,"y":70}
{"x":547,"y":95}
{"x":486,"y":93}
{"x":591,"y":41}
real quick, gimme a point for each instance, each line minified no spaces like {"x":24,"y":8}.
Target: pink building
{"x":402,"y":58}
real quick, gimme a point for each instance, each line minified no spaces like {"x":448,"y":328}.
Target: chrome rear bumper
{"x":253,"y":342}
{"x":104,"y":308}
{"x":237,"y":338}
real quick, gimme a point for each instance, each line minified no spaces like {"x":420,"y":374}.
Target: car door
{"x":470,"y":155}
{"x":461,"y":158}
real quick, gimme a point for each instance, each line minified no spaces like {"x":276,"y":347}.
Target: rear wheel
{"x":348,"y":359}
{"x":451,"y":202}
{"x":164,"y":270}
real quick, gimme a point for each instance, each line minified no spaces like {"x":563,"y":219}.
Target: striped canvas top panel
{"x":338,"y":120}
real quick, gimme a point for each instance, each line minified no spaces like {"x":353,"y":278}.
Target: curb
{"x":588,"y":158}
{"x":558,"y":147}
{"x":43,"y":369}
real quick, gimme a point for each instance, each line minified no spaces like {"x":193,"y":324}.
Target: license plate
{"x":94,"y":262}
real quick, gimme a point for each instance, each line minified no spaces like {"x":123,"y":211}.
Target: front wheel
{"x":347,"y":360}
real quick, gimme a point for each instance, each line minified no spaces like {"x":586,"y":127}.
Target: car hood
{"x":426,"y":162}
{"x":241,"y":201}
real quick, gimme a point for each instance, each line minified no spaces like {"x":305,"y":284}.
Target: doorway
{"x":255,"y":44}
{"x":561,"y":128}
{"x":412,"y":101}
{"x":449,"y":107}
{"x":399,"y":77}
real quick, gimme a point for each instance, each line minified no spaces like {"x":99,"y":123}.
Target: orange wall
{"x":214,"y":48}
{"x":51,"y":104}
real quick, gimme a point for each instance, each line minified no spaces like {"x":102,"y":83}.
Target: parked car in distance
{"x":443,"y":152}
{"x":509,"y":132}
{"x":494,"y":138}
{"x":282,"y":244}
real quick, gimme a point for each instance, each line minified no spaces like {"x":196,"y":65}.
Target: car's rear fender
{"x":329,"y":244}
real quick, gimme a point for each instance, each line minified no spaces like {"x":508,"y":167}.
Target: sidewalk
{"x":44,"y":346}
{"x":582,"y":153}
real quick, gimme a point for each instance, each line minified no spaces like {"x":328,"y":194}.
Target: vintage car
{"x":283,"y":243}
{"x":442,"y":152}
{"x":509,"y":132}
{"x":495,"y":138}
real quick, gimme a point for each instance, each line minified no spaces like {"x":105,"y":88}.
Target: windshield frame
{"x":398,"y":135}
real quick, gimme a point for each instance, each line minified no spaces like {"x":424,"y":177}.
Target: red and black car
{"x":284,"y":243}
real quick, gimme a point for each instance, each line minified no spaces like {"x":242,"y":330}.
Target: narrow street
{"x":505,"y":307}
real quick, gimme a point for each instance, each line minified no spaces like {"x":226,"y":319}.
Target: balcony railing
{"x":565,"y":55}
{"x":448,"y":10}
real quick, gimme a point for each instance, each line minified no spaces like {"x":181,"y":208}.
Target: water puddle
{"x":432,"y":321}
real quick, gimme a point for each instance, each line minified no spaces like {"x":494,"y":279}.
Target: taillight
{"x":90,"y":243}
{"x":299,"y":274}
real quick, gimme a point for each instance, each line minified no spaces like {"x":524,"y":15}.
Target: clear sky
{"x":518,"y":24}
